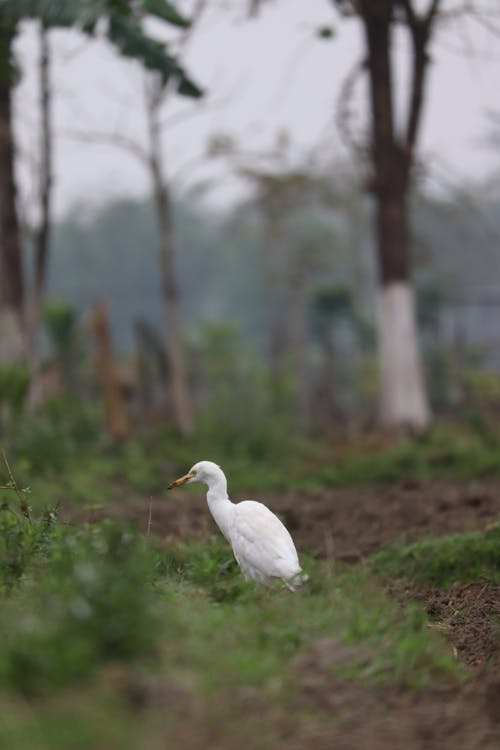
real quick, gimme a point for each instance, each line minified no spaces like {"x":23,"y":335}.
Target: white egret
{"x":261,"y":544}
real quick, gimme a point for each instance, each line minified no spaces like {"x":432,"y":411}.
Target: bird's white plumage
{"x":261,"y":544}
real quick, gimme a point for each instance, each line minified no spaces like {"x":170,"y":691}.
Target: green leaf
{"x":127,"y":35}
{"x":63,"y":13}
{"x":166,"y":11}
{"x":187,"y":87}
{"x":124,"y":30}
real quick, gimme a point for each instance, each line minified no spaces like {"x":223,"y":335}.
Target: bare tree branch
{"x":419,"y":27}
{"x":204,"y":106}
{"x":343,"y":110}
{"x":96,"y":137}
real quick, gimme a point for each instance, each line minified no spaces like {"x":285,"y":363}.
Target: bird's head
{"x":204,"y":472}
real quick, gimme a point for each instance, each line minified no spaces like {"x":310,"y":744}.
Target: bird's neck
{"x":219,"y":504}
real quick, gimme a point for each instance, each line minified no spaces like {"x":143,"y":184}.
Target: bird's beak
{"x":181,"y":480}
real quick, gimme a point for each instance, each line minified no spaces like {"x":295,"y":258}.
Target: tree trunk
{"x":403,"y":398}
{"x":403,"y":401}
{"x":42,"y":234}
{"x":117,"y":421}
{"x":298,"y":341}
{"x":11,"y":278}
{"x":328,"y":414}
{"x":274,"y":303}
{"x":403,"y":395}
{"x":175,"y":345}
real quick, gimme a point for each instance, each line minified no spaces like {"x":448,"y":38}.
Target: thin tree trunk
{"x":328,"y":414}
{"x":298,"y":341}
{"x":277,"y":335}
{"x":11,"y":276}
{"x":403,"y":394}
{"x":42,"y":234}
{"x":175,"y":345}
{"x":117,"y":421}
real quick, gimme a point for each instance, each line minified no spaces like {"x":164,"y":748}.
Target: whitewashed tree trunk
{"x":403,"y":394}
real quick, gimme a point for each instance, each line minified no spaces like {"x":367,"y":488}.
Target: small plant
{"x":24,"y":542}
{"x":22,"y":538}
{"x":211,"y":567}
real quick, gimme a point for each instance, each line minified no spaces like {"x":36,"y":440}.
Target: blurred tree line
{"x":310,"y":283}
{"x":239,"y":289}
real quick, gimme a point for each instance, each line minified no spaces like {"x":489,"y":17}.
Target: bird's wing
{"x":263,"y":541}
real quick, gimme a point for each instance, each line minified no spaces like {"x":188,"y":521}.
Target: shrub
{"x":14,"y":384}
{"x":93,"y":603}
{"x":57,"y":435}
{"x":23,"y":542}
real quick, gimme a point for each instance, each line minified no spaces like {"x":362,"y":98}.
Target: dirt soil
{"x":343,"y":526}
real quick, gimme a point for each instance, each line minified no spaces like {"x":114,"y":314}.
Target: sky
{"x":262,"y":77}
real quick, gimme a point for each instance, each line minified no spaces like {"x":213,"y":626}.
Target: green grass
{"x":95,"y":611}
{"x":63,"y":456}
{"x":100,"y":473}
{"x":87,"y":615}
{"x":440,"y":562}
{"x":456,"y":452}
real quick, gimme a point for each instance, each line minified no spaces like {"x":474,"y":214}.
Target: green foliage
{"x":96,"y":619}
{"x":482,"y":387}
{"x":166,"y":11}
{"x":92,"y":602}
{"x":9,"y":70}
{"x":459,"y":452}
{"x":430,"y":300}
{"x":210,"y":567}
{"x":123,"y":29}
{"x":60,"y":318}
{"x":14,"y":385}
{"x":246,"y":423}
{"x":23,"y":542}
{"x":58,"y":435}
{"x":331,"y":302}
{"x":91,"y":720}
{"x":254,"y":634}
{"x":440,"y":562}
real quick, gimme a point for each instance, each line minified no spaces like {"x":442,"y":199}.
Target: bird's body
{"x":261,"y":544}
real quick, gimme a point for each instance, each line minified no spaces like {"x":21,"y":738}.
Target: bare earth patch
{"x":349,"y":522}
{"x":467,"y":614}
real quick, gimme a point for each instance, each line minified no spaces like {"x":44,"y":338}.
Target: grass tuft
{"x":442,"y":561}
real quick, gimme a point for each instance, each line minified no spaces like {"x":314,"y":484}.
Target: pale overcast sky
{"x":262,"y":76}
